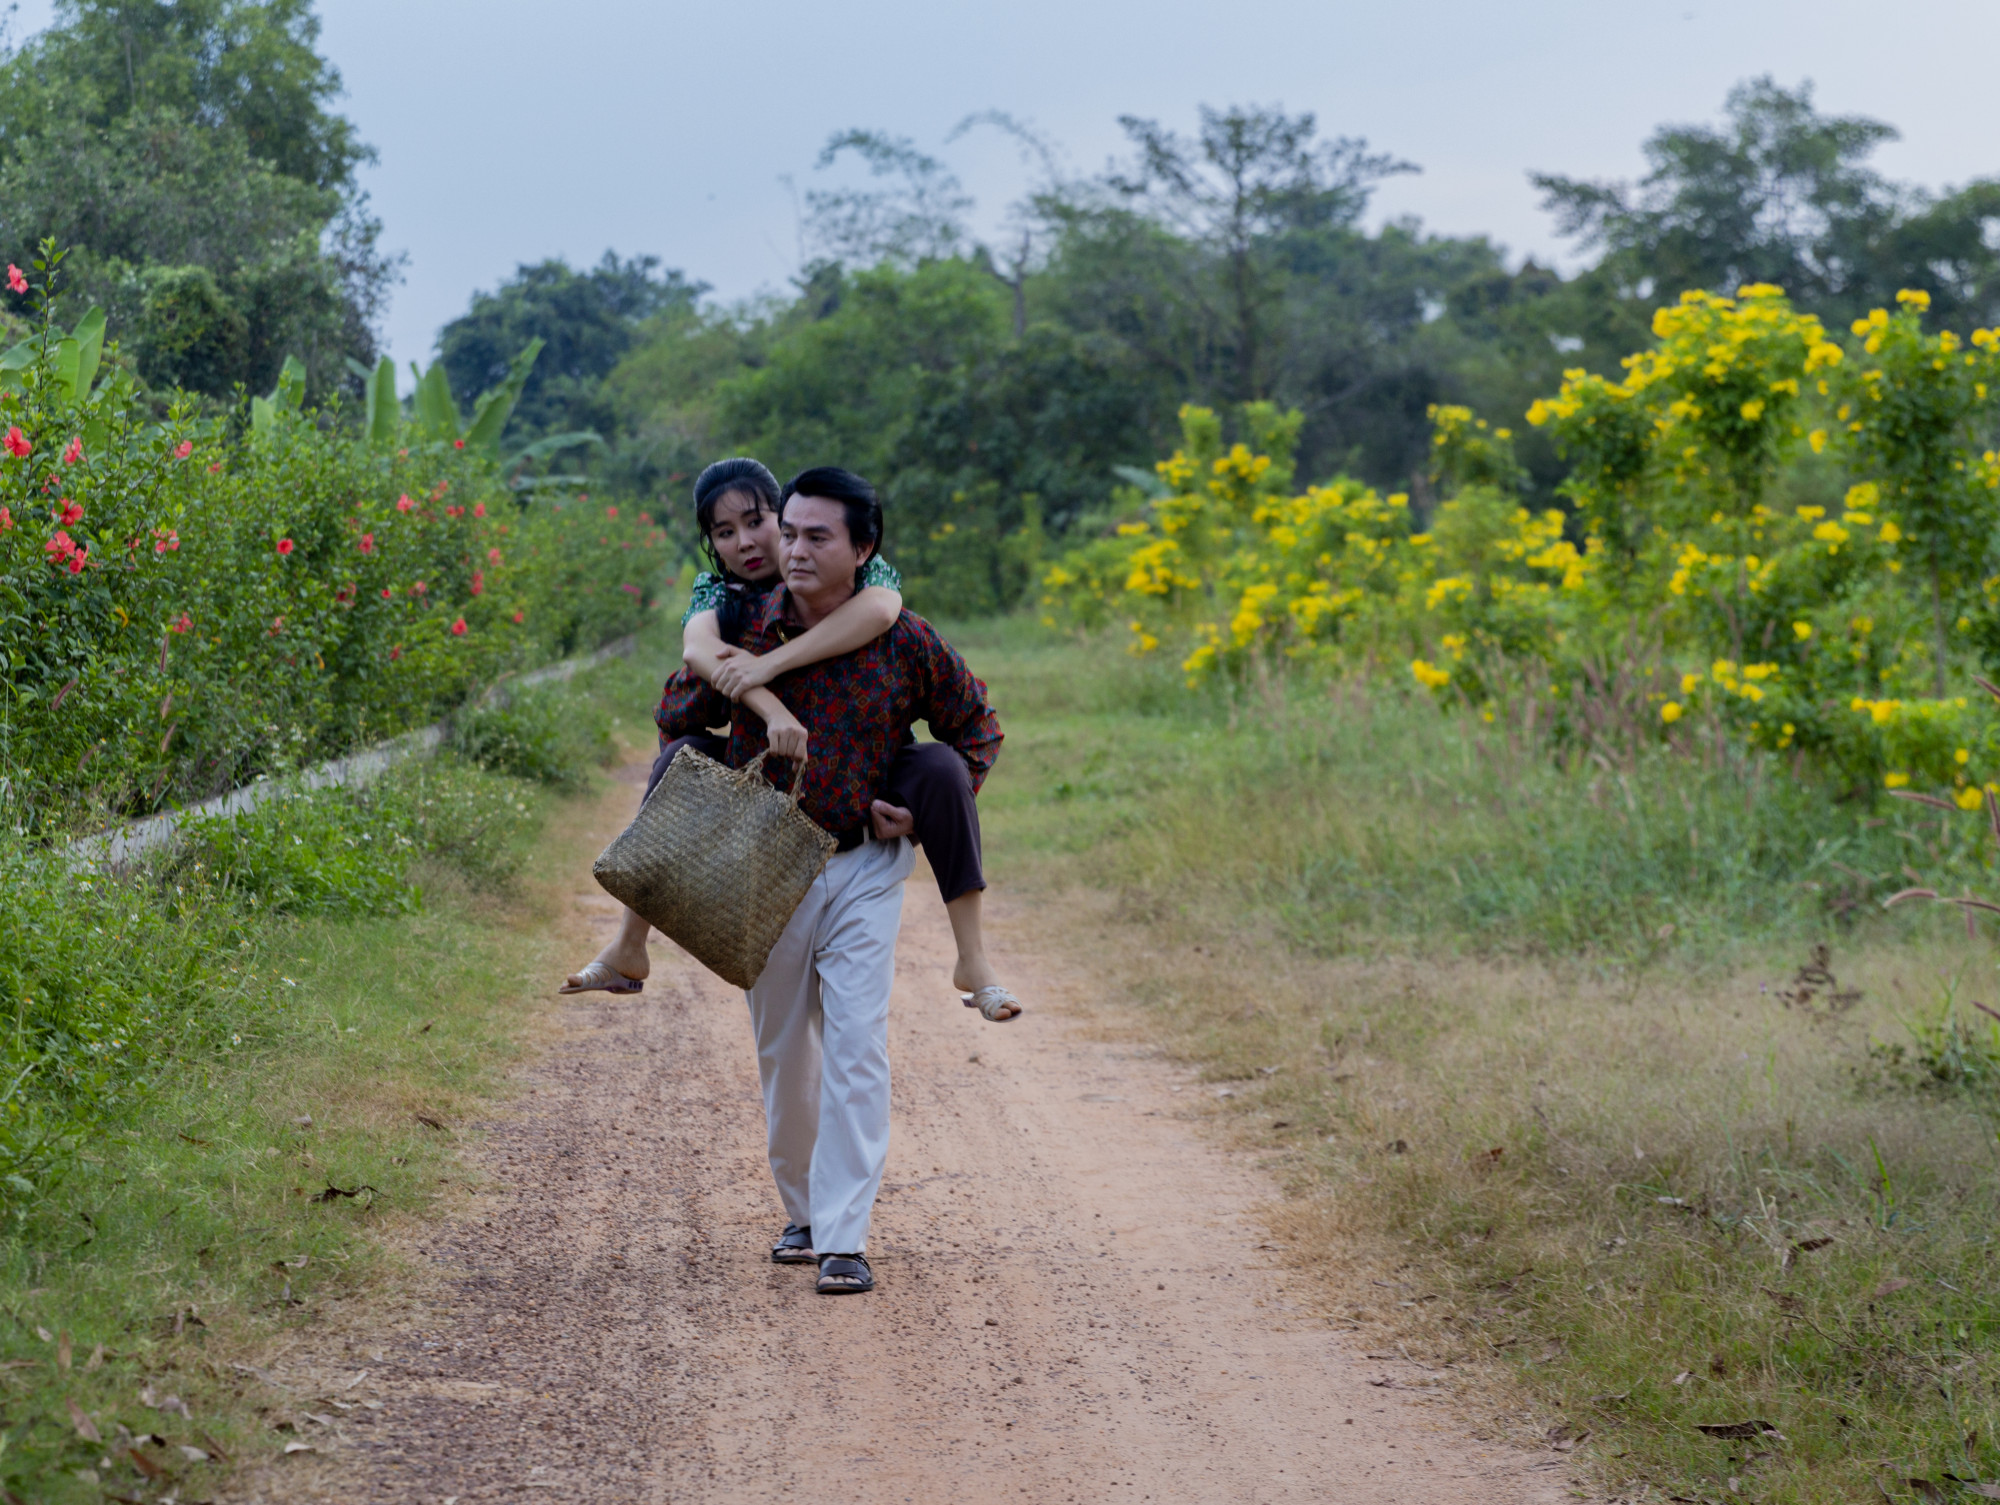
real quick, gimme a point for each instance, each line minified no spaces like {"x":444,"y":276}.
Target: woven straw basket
{"x":717,"y":860}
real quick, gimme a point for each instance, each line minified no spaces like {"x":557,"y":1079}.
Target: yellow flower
{"x":1971,"y":797}
{"x":1962,"y":757}
{"x":1809,"y":514}
{"x":1670,"y":712}
{"x":1817,"y":439}
{"x":1895,"y":780}
{"x":1890,"y":533}
{"x":1803,"y":629}
{"x":1688,"y":683}
{"x":1429,"y":675}
{"x":1753,"y":409}
{"x":1915,"y":297}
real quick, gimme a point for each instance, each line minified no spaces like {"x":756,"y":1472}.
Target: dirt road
{"x":1073,"y":1303}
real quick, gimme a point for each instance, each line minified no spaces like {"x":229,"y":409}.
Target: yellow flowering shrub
{"x":1704,"y":520}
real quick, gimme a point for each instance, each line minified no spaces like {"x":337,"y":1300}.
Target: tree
{"x":1251,"y":181}
{"x":914,"y":215}
{"x":589,"y":321}
{"x":1783,"y":194}
{"x":196,"y":135}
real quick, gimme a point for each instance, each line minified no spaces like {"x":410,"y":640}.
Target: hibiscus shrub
{"x":188,"y":604}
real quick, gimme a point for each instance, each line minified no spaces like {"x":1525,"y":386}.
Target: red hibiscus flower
{"x":458,"y":444}
{"x":75,"y":451}
{"x":284,"y":546}
{"x":403,"y":503}
{"x":418,"y":589}
{"x":492,"y":556}
{"x":277,"y":625}
{"x":520,"y":617}
{"x":6,"y":519}
{"x":186,"y":448}
{"x":182,"y":624}
{"x":78,"y":560}
{"x":610,"y":511}
{"x":630,"y":590}
{"x":15,"y":280}
{"x":17,"y":444}
{"x":165,"y":540}
{"x":458,"y":627}
{"x":478,"y":582}
{"x":61,"y":546}
{"x":479,"y":509}
{"x":395,"y":653}
{"x":215,"y":467}
{"x":386,"y":593}
{"x":68,"y":512}
{"x":368,"y":543}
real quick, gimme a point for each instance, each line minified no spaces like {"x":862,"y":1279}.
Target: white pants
{"x":821,"y":1016}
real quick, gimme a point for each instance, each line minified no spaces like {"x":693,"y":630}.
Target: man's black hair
{"x":750,"y":478}
{"x":856,"y":497}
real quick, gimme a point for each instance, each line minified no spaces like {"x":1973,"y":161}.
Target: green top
{"x":709,"y":589}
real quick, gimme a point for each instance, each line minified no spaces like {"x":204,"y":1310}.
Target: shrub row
{"x":187,"y":604}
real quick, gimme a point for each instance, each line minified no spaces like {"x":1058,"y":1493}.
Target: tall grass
{"x":1566,"y":1098}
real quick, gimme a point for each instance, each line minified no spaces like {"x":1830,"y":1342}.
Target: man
{"x":821,"y":1008}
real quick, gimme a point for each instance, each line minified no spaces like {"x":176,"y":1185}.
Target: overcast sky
{"x":510,"y":131}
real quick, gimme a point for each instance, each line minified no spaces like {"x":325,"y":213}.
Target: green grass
{"x":334,"y":994}
{"x":1513,"y":1031}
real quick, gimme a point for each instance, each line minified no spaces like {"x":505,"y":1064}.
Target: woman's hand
{"x":738,"y":673}
{"x":785,"y":736}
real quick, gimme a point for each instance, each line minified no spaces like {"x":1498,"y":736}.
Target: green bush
{"x":348,"y":852}
{"x":190,"y":605}
{"x":550,"y":737}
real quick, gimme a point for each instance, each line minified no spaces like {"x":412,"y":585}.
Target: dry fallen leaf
{"x":1890,"y":1287}
{"x":85,"y":1427}
{"x":214,"y":1447}
{"x":45,"y":1335}
{"x":1786,"y":1301}
{"x":1738,"y":1429}
{"x":145,"y":1465}
{"x":1984,"y":1491}
{"x":193,"y":1454}
{"x":428,"y":1122}
{"x":63,"y":1352}
{"x":300,"y":1447}
{"x":95,"y":1361}
{"x":1807,"y":1245}
{"x":1684,"y":1376}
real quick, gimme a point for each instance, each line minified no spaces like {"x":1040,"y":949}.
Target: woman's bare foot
{"x":626,"y":955}
{"x":971,"y":973}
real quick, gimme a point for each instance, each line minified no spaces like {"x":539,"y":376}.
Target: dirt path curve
{"x":1073,"y":1303}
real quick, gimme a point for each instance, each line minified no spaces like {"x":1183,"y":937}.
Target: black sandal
{"x":794,"y":1246}
{"x":845,"y":1275}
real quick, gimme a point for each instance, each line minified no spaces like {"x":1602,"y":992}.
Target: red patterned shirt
{"x":857,"y":711}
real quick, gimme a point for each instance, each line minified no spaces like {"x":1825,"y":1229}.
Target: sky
{"x":510,"y":131}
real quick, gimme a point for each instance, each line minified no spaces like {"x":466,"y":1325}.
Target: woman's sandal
{"x":844,"y":1275}
{"x":602,"y":977}
{"x":794,"y":1246}
{"x":990,"y":1000}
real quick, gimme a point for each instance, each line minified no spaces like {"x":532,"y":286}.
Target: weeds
{"x":1528,"y":1039}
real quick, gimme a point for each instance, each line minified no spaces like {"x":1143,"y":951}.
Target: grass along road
{"x":1076,"y":1295}
{"x":1531,"y":1050}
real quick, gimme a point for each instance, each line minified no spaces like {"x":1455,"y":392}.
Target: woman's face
{"x":745,"y":535}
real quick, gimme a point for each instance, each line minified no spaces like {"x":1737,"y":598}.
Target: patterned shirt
{"x":709,"y":588}
{"x":857,"y":710}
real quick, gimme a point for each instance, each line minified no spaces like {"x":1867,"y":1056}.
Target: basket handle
{"x":755,"y":767}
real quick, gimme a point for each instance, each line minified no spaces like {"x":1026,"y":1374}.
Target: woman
{"x":930,"y":794}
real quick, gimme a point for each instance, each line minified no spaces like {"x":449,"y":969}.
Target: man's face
{"x":819,"y":557}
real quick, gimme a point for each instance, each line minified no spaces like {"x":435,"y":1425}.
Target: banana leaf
{"x":383,"y":411}
{"x":553,"y":444}
{"x":89,"y":336}
{"x":432,"y":405}
{"x":490,"y":414}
